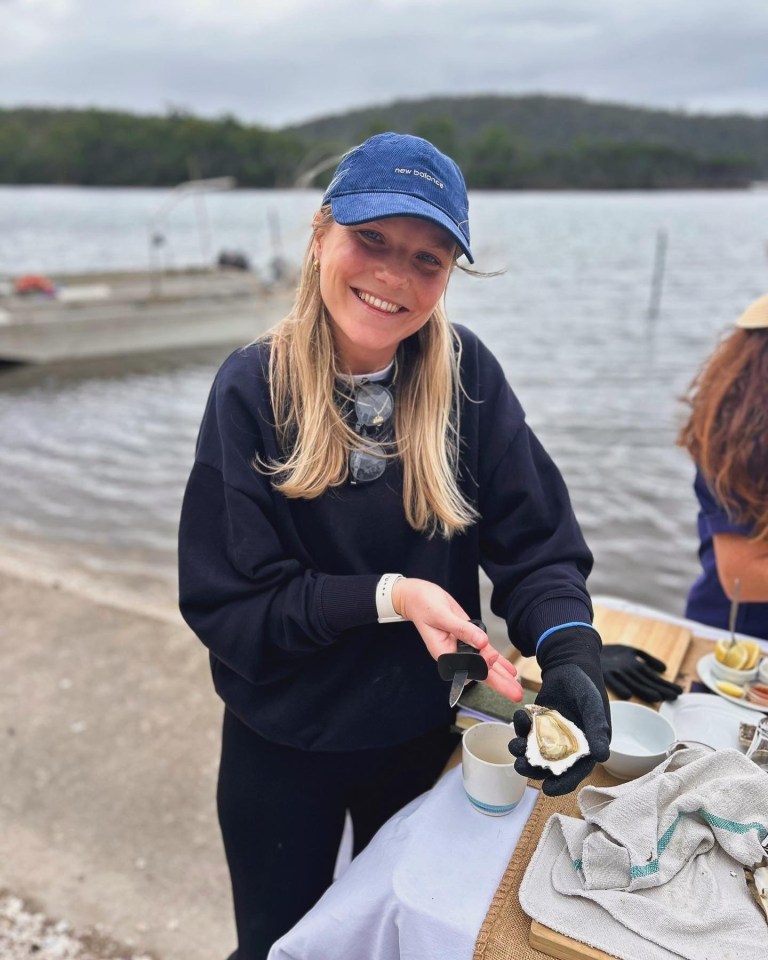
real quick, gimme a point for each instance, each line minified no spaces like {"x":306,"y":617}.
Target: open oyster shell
{"x":757,"y":883}
{"x":554,"y":742}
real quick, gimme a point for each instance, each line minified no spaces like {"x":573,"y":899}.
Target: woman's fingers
{"x":502,"y":674}
{"x":503,"y":666}
{"x":502,"y":678}
{"x":506,"y":684}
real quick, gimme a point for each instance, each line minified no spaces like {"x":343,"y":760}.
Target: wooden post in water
{"x":657,"y":280}
{"x":277,"y":264}
{"x":203,"y":226}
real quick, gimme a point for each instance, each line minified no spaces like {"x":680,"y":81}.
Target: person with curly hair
{"x":726,"y":435}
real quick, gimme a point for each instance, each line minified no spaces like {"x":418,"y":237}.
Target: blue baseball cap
{"x":397,"y":175}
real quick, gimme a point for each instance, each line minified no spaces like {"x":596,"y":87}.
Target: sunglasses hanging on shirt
{"x":373,"y":408}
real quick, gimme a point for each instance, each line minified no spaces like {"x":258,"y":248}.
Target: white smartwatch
{"x":384,"y":608}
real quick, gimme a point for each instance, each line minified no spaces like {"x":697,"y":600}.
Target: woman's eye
{"x":373,"y":235}
{"x":429,"y":259}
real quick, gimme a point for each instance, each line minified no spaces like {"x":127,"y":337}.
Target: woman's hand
{"x":441,"y":622}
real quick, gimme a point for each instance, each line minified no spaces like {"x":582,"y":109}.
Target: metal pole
{"x":156,"y":226}
{"x":657,"y":281}
{"x":203,"y":226}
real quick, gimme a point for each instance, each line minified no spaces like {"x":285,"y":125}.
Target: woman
{"x":727,"y":437}
{"x":354,"y":468}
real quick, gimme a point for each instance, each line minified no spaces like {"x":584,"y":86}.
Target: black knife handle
{"x":466,"y":658}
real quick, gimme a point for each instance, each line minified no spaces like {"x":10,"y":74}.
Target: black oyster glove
{"x":631,"y":672}
{"x":572,"y":684}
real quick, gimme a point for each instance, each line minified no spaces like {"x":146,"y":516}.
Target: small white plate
{"x":707,"y":719}
{"x":708,"y":678}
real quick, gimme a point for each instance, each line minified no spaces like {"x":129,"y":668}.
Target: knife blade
{"x":460,"y":677}
{"x":466,"y":664}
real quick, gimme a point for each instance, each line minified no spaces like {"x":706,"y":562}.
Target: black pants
{"x":282,"y":811}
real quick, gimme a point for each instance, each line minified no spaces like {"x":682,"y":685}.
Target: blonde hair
{"x":317,"y":441}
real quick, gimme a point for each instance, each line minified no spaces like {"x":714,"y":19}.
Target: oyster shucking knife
{"x":466,"y":664}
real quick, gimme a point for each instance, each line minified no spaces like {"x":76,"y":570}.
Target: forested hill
{"x":552,"y":123}
{"x":500,"y":142}
{"x":634,"y":144}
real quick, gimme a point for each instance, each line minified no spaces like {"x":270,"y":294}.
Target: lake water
{"x":93,"y":459}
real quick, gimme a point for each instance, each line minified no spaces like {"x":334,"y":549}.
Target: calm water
{"x":93,"y":459}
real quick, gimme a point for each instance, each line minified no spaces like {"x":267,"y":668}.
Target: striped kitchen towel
{"x":658,"y":862}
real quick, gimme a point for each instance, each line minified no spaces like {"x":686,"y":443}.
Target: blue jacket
{"x":707,"y":601}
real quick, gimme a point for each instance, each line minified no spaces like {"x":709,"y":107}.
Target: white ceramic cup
{"x":488,"y":769}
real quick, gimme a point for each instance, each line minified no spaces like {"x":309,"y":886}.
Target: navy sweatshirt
{"x":282,"y":591}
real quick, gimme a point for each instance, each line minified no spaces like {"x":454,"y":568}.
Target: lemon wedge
{"x":722,"y":649}
{"x":738,"y":657}
{"x":755,"y":652}
{"x":735,"y":656}
{"x":729,"y":689}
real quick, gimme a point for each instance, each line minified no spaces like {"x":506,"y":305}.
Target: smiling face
{"x":380,"y":283}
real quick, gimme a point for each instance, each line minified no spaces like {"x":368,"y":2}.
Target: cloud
{"x":279,"y":63}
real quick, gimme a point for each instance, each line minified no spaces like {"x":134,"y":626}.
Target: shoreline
{"x":54,"y":567}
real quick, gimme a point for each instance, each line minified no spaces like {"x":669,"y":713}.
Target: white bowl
{"x":640,"y":740}
{"x":733,"y":676}
{"x":762,"y":670}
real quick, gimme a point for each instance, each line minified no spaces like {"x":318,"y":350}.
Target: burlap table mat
{"x":506,"y":928}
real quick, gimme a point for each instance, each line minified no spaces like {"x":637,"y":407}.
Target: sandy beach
{"x":107,"y":807}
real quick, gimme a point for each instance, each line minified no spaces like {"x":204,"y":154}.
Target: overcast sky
{"x":276,"y":62}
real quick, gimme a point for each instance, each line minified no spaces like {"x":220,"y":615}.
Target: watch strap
{"x":384,"y":608}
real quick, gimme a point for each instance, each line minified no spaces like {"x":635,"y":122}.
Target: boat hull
{"x":140,"y":314}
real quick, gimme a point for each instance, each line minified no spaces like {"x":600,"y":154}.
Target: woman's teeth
{"x":378,"y":304}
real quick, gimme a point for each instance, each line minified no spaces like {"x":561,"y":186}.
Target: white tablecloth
{"x":422,"y":887}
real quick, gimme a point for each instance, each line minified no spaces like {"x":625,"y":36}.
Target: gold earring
{"x":316,"y":265}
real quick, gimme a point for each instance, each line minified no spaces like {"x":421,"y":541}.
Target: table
{"x":420,"y":889}
{"x":423,"y":886}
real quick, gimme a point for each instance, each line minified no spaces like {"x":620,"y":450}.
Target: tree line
{"x":110,"y":148}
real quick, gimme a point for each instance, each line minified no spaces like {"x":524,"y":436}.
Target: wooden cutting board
{"x":667,"y":641}
{"x":563,"y":948}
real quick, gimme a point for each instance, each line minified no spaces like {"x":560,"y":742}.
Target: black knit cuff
{"x":350,"y":601}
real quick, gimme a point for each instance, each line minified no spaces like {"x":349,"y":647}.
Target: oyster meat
{"x":554,"y":742}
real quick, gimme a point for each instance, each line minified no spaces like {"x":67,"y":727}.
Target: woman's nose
{"x":393,"y":272}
